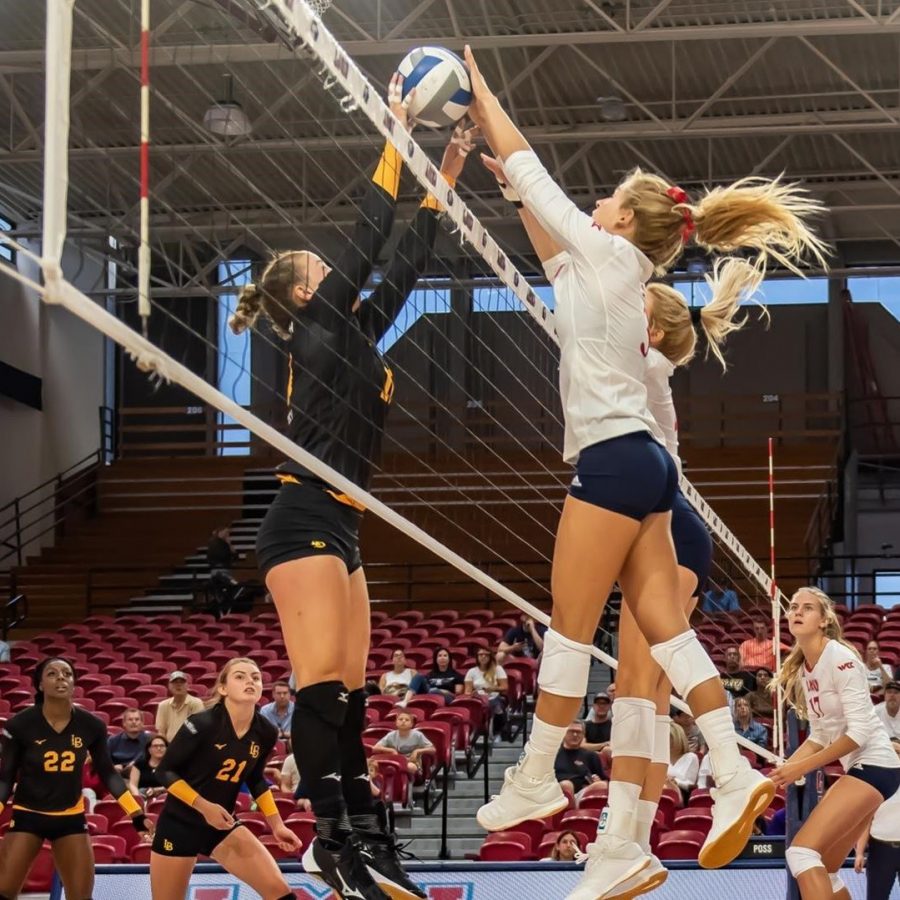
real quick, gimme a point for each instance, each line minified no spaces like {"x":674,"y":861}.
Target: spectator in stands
{"x":762,"y":700}
{"x":889,"y":711}
{"x":565,"y":847}
{"x":878,"y":673}
{"x":407,"y":741}
{"x":397,"y":680}
{"x":684,"y":766}
{"x":611,"y":693}
{"x":524,"y":639}
{"x":221,"y":556}
{"x":173,"y":712}
{"x":129,"y":745}
{"x":736,"y":680}
{"x":598,"y":725}
{"x":745,"y":726}
{"x":142,"y":780}
{"x":488,"y":680}
{"x":290,"y":783}
{"x":725,"y":602}
{"x":695,"y":742}
{"x":758,"y":650}
{"x":574,"y":766}
{"x":4,"y":652}
{"x":280,"y":710}
{"x":443,"y":679}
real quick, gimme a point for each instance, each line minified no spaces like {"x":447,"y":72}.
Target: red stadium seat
{"x":303,"y":825}
{"x":140,"y":853}
{"x":692,"y":819}
{"x":97,"y":823}
{"x":680,"y":845}
{"x":124,"y":829}
{"x":503,"y":851}
{"x":585,"y":822}
{"x":700,"y":797}
{"x":105,"y":852}
{"x":110,"y":810}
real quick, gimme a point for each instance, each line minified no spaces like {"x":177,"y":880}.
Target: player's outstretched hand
{"x":482,"y":95}
{"x":287,"y":840}
{"x":461,"y":143}
{"x":398,"y":103}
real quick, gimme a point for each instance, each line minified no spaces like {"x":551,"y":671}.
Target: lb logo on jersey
{"x":76,"y":741}
{"x":168,"y":846}
{"x":319,"y":545}
{"x":254,"y":749}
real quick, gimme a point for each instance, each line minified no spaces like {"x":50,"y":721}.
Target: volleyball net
{"x":264,"y":141}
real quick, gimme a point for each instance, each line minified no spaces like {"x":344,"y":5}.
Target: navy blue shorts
{"x":693,"y":543}
{"x":885,"y":780}
{"x":632,"y":475}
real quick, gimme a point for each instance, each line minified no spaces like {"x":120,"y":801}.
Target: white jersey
{"x":892,"y":723}
{"x":598,"y":283}
{"x":660,"y":402}
{"x":838,"y":702}
{"x":886,"y":824}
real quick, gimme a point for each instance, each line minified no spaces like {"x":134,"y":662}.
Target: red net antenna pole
{"x":776,"y":609}
{"x":144,"y":249}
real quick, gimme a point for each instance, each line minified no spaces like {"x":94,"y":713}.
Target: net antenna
{"x":309,"y":32}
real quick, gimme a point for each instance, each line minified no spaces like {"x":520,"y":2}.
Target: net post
{"x":144,"y":249}
{"x":58,"y":67}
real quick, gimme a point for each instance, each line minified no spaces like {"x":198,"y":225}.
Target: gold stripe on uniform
{"x":432,"y":202}
{"x":335,"y":495}
{"x":71,"y":811}
{"x":387,"y":173}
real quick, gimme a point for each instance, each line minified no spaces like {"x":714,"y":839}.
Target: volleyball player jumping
{"x":824,"y":679}
{"x":43,"y":750}
{"x":625,"y":482}
{"x":339,"y":391}
{"x":213,"y":754}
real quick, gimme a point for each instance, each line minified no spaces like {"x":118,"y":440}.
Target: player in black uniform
{"x":339,"y":390}
{"x":43,"y":750}
{"x":211,"y":756}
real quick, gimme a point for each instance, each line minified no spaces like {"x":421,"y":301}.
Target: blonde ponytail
{"x":767,"y":217}
{"x":248,"y":309}
{"x":732,"y":282}
{"x":791,"y":675}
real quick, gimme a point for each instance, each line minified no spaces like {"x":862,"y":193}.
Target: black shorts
{"x":175,"y":837}
{"x":632,"y":475}
{"x":885,"y":780}
{"x":305,"y":520}
{"x":50,"y":828}
{"x":693,"y":543}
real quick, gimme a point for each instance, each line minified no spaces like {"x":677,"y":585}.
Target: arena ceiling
{"x":707,"y":91}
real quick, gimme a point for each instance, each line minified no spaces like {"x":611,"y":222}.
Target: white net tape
{"x":301,"y":29}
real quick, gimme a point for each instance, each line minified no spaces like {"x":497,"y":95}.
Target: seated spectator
{"x":574,"y":766}
{"x":734,"y":679}
{"x":745,"y":726}
{"x":878,"y":673}
{"x":889,"y":711}
{"x":684,"y":766}
{"x":129,"y":744}
{"x":280,"y":710}
{"x":704,"y":776}
{"x":4,"y":652}
{"x":397,"y":680}
{"x":598,"y":725}
{"x":565,"y":847}
{"x":758,"y":650}
{"x":695,"y":742}
{"x":173,"y":712}
{"x":443,"y":679}
{"x":290,"y":783}
{"x":142,"y":781}
{"x":762,"y":700}
{"x":524,"y":639}
{"x":407,"y":741}
{"x":724,"y":602}
{"x":611,"y":693}
{"x":488,"y":680}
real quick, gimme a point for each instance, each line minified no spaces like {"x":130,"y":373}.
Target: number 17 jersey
{"x":207,"y":754}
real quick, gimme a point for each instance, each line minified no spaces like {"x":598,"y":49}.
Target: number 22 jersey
{"x":838,"y":702}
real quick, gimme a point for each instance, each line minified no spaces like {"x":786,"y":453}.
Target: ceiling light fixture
{"x":612,"y":109}
{"x":227,"y":117}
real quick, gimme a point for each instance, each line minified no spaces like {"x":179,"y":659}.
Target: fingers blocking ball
{"x":438,"y":86}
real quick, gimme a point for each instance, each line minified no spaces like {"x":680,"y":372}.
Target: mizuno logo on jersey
{"x":220,"y":746}
{"x":342,"y":697}
{"x":334,"y":776}
{"x":190,"y":727}
{"x":361,"y":778}
{"x":42,"y":741}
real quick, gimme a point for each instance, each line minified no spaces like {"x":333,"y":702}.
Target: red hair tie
{"x":679,"y":195}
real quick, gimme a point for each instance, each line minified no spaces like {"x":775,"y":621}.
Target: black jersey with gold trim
{"x":46,"y":765}
{"x":207,"y":754}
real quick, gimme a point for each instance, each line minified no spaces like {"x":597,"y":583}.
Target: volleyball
{"x":441,"y":81}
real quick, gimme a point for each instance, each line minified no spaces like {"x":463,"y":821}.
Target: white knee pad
{"x":632,"y":727}
{"x":565,"y":666}
{"x":802,"y":859}
{"x":836,"y":883}
{"x":661,"y":753}
{"x":685,"y":662}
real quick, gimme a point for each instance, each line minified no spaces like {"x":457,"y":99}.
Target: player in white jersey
{"x":882,"y":862}
{"x":615,"y":521}
{"x":824,"y":680}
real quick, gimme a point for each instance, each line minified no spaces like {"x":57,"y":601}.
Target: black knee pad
{"x":327,"y":700}
{"x":356,"y":711}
